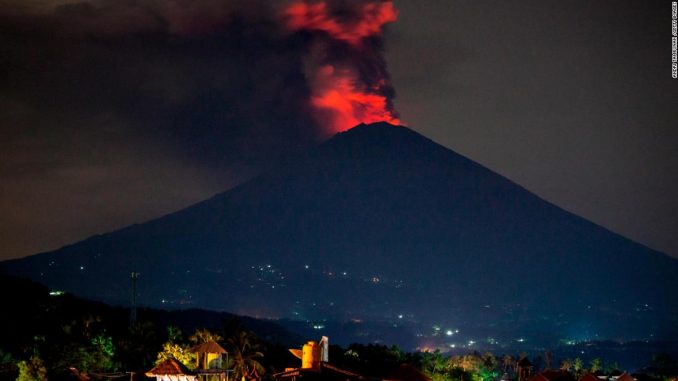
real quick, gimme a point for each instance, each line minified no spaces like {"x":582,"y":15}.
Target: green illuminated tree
{"x":104,"y":352}
{"x":488,"y":368}
{"x":97,"y":355}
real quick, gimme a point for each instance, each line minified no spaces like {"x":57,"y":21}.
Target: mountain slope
{"x":378,"y":223}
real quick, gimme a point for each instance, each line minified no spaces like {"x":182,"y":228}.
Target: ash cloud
{"x":203,"y":93}
{"x":207,"y":80}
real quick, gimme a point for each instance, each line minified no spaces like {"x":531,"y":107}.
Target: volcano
{"x":381,"y":224}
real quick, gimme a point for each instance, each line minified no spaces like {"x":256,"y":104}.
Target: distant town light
{"x":449,"y":332}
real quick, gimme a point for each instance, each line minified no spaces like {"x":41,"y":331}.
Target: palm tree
{"x":244,"y":355}
{"x":566,"y":364}
{"x":433,"y":362}
{"x":578,"y":365}
{"x":203,"y":336}
{"x":596,"y":365}
{"x":471,"y":362}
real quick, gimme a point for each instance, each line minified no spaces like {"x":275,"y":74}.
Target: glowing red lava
{"x":339,"y":99}
{"x":343,"y":104}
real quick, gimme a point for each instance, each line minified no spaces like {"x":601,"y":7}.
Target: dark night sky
{"x":115,"y":112}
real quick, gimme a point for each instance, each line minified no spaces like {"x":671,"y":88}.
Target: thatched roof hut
{"x":171,"y":370}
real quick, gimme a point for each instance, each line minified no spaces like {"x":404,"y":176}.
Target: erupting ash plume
{"x":345,"y":69}
{"x":226,"y":85}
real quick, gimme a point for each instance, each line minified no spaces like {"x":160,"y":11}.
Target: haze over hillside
{"x":381,"y":224}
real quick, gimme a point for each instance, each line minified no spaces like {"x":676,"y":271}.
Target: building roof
{"x":406,"y":372}
{"x":553,"y":375}
{"x":626,"y":377}
{"x":208,"y":347}
{"x":325,"y":372}
{"x":589,"y":377}
{"x":169,"y":367}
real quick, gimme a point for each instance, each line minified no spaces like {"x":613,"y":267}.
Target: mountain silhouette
{"x":381,"y":224}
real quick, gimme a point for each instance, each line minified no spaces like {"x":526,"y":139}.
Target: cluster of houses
{"x":524,"y":372}
{"x":316,"y":367}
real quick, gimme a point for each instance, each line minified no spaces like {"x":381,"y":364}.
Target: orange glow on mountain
{"x":340,"y":97}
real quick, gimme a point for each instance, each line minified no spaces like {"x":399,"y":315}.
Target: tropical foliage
{"x":49,"y":337}
{"x":32,"y":370}
{"x":173,"y":348}
{"x":245,"y":356}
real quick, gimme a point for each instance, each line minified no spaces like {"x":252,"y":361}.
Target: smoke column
{"x":344,"y":65}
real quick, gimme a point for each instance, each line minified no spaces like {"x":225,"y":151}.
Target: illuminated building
{"x":315,"y":367}
{"x":171,"y":370}
{"x":209,"y":364}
